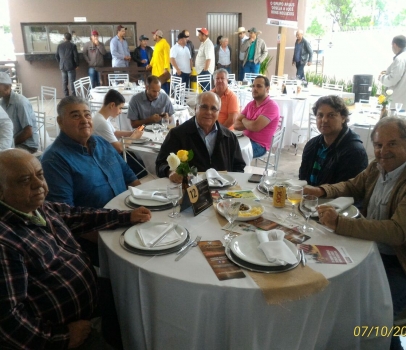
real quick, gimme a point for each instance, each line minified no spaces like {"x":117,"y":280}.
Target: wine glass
{"x":294,"y":194}
{"x":141,"y":83}
{"x":155,"y":129}
{"x":230,"y":210}
{"x":269,"y":179}
{"x":398,"y":107}
{"x":174,"y":193}
{"x":308,"y":206}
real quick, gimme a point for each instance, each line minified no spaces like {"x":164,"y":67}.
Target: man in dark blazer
{"x":68,"y":58}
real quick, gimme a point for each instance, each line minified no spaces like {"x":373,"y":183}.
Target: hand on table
{"x":137,"y":134}
{"x":140,"y":214}
{"x":175,"y":177}
{"x":78,"y":333}
{"x":315,"y":191}
{"x":155,"y":118}
{"x":328,"y":216}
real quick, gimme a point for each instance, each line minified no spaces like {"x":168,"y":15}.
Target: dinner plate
{"x":132,"y":238}
{"x":232,"y":181}
{"x":245,"y":247}
{"x":142,"y":139}
{"x":250,"y":203}
{"x":257,"y":268}
{"x":149,"y":127}
{"x":150,"y":202}
{"x":155,"y":207}
{"x":133,"y":250}
{"x":351,"y":212}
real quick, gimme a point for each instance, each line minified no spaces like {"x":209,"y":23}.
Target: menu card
{"x":215,"y":255}
{"x":324,"y":254}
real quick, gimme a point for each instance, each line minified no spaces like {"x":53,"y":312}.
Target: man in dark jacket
{"x":214,"y":146}
{"x":68,"y":58}
{"x":337,"y":154}
{"x":94,"y":52}
{"x":143,"y":53}
{"x":302,"y":55}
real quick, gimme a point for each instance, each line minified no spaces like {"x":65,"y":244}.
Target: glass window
{"x":36,"y":39}
{"x":80,"y":35}
{"x":56,"y":35}
{"x":106,"y":33}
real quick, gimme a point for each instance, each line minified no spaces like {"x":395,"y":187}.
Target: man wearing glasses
{"x":214,"y":146}
{"x":259,"y":119}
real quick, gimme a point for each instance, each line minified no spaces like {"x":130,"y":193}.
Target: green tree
{"x":315,"y":28}
{"x":340,"y":11}
{"x":400,"y":18}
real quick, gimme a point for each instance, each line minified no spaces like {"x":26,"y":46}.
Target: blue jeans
{"x":185,"y":78}
{"x":240,"y":71}
{"x":71,"y":76}
{"x":94,"y":77}
{"x":251,"y":67}
{"x":300,"y":70}
{"x":257,"y":149}
{"x":166,"y":87}
{"x":205,"y":86}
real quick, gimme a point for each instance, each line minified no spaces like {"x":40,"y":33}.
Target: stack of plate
{"x":152,"y":205}
{"x":231,"y":181}
{"x":243,"y":251}
{"x":131,"y":241}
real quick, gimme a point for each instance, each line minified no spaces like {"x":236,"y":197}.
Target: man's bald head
{"x":8,"y":158}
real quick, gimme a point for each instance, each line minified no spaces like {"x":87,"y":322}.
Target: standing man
{"x":160,"y":61}
{"x":302,"y":55}
{"x":180,"y":59}
{"x":205,"y":56}
{"x":243,"y":37}
{"x":189,"y":44}
{"x":68,"y":58}
{"x":259,"y":119}
{"x":20,"y":111}
{"x":119,"y":49}
{"x":6,"y":131}
{"x":93,"y":52}
{"x":255,"y":51}
{"x":143,"y":53}
{"x":395,"y":76}
{"x":222,"y":54}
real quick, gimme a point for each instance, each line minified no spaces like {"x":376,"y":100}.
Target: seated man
{"x":6,"y":131}
{"x":151,"y":106}
{"x":214,"y":146}
{"x":260,"y":117}
{"x":230,"y":108}
{"x":81,"y":169}
{"x":112,"y":105}
{"x":382,"y":187}
{"x":49,"y":289}
{"x":337,"y":154}
{"x":22,"y":115}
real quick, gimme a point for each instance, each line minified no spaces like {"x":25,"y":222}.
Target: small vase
{"x":185,"y":183}
{"x":384,"y":112}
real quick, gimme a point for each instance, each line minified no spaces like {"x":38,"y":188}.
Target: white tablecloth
{"x":362,"y":124}
{"x":163,"y":304}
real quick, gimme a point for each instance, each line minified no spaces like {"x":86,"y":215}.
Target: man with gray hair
{"x":302,"y":55}
{"x":20,"y":111}
{"x":382,"y":187}
{"x":395,"y":76}
{"x":214,"y":146}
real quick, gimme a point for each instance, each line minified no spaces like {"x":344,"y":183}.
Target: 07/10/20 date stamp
{"x":379,"y":331}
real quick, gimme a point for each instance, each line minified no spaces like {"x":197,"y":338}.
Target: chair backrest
{"x":231,"y":79}
{"x":179,"y":94}
{"x":48,"y":105}
{"x":78,"y":87}
{"x":291,"y":82}
{"x":275,"y":149}
{"x":115,"y":79}
{"x":95,"y":106}
{"x":174,"y":82}
{"x":34,"y":103}
{"x":86,"y":87}
{"x":335,"y":87}
{"x":126,"y":143}
{"x":204,"y":82}
{"x":280,"y":123}
{"x":41,"y":126}
{"x":312,"y":128}
{"x":275,"y":79}
{"x":18,"y":88}
{"x":250,"y":77}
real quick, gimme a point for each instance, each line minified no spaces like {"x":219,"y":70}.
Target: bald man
{"x":49,"y":289}
{"x":302,"y":55}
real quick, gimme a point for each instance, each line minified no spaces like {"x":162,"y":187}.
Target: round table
{"x":163,"y":304}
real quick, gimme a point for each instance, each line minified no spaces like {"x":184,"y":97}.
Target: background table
{"x":163,"y":304}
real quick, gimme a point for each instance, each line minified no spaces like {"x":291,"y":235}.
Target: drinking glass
{"x":294,"y":194}
{"x":141,"y":83}
{"x":269,"y":179}
{"x":155,"y":129}
{"x":230,"y":210}
{"x":308,"y":206}
{"x":398,"y":107}
{"x":174,"y":193}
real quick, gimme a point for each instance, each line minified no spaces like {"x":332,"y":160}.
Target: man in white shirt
{"x":241,"y":34}
{"x":6,"y":131}
{"x":181,"y":60}
{"x":205,"y":56}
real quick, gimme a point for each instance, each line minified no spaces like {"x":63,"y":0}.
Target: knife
{"x":194,"y":244}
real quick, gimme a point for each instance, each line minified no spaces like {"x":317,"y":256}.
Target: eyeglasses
{"x":206,"y":108}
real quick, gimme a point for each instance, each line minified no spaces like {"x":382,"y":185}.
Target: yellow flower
{"x":381,"y":99}
{"x":182,"y":155}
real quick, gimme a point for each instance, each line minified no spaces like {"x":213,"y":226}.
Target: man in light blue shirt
{"x":119,"y":49}
{"x":6,"y":131}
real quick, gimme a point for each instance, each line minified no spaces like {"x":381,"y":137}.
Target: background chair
{"x":274,"y":151}
{"x":250,"y":77}
{"x":48,"y":105}
{"x":179,"y":94}
{"x":174,"y":82}
{"x":86,"y":87}
{"x":42,"y":130}
{"x":18,"y":88}
{"x":115,"y":79}
{"x":126,"y":142}
{"x":335,"y":87}
{"x":203,"y":83}
{"x":95,"y":106}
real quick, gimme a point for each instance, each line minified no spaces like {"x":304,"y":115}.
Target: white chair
{"x":115,"y":79}
{"x":275,"y":79}
{"x":231,"y":79}
{"x":41,"y":127}
{"x":274,"y":150}
{"x":17,"y":88}
{"x":174,"y":82}
{"x":302,"y":128}
{"x":78,"y":87}
{"x":48,"y":105}
{"x":335,"y":87}
{"x":95,"y":106}
{"x":179,"y":94}
{"x":126,"y":142}
{"x":203,"y":83}
{"x":86,"y":87}
{"x":250,"y":77}
{"x":312,"y":126}
{"x":34,"y":103}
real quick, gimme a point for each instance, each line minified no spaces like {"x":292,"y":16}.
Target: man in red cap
{"x":93,"y":52}
{"x":205,"y":56}
{"x":119,"y":49}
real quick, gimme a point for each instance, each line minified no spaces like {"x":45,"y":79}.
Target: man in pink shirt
{"x":230,"y":107}
{"x":260,"y":117}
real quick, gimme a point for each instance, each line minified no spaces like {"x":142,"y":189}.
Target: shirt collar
{"x":392,"y":175}
{"x":77,"y":146}
{"x":214,"y":128}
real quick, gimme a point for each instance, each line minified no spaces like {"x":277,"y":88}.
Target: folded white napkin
{"x":152,"y":233}
{"x":341,"y":203}
{"x":294,"y":182}
{"x":274,"y":248}
{"x":212,"y":174}
{"x":147,"y":194}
